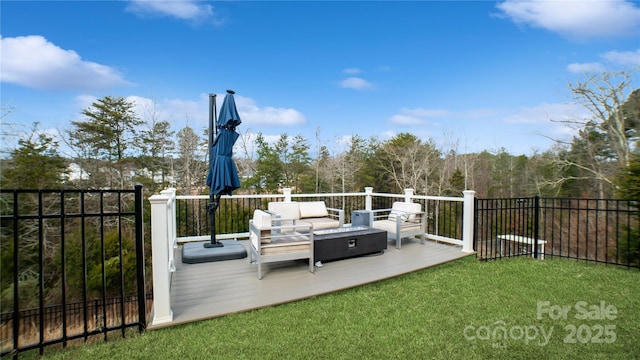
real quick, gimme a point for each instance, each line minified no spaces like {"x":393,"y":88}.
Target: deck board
{"x":209,"y":290}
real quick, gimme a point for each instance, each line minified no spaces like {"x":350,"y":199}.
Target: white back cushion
{"x":399,"y":207}
{"x":395,"y":214}
{"x":261,"y":220}
{"x":313,"y":209}
{"x":286,"y":210}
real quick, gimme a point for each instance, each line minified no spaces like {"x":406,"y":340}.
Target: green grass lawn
{"x":452,"y":311}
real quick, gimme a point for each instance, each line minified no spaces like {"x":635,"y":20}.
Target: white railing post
{"x":408,"y":195}
{"x":467,"y":221}
{"x":171,"y":224}
{"x":161,"y":252}
{"x":367,"y":200}
{"x":287,"y":194}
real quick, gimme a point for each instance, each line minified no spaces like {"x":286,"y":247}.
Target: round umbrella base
{"x":196,"y":252}
{"x":209,"y":245}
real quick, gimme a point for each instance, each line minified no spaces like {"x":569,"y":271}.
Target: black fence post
{"x":142,"y":299}
{"x":536,"y":226}
{"x":16,"y":270}
{"x":475,"y":224}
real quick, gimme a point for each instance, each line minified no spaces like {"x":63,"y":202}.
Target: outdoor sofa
{"x":315,"y":213}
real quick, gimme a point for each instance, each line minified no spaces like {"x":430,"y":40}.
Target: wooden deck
{"x":209,"y":290}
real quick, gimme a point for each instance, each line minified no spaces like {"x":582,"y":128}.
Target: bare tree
{"x":156,"y":145}
{"x":317,"y":164}
{"x":603,"y":145}
{"x":245,"y":159}
{"x":410,"y":162}
{"x":6,"y":129}
{"x":192,"y":164}
{"x":349,"y":163}
{"x":603,"y":96}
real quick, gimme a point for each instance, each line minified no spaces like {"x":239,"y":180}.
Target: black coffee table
{"x":347,"y":242}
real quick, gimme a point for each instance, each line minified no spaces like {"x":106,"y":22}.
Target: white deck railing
{"x":164,"y":239}
{"x":163,"y":242}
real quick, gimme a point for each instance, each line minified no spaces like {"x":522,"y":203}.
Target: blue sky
{"x":480,"y":74}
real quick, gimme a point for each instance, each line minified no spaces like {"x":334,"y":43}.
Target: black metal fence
{"x":72,"y":266}
{"x":232,"y":215}
{"x":604,"y":231}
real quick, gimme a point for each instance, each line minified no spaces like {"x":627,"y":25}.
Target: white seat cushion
{"x":390,"y":226}
{"x":287,"y":244}
{"x":322,"y":223}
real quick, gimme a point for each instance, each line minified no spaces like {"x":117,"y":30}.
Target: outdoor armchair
{"x":272,"y":242}
{"x":403,"y":220}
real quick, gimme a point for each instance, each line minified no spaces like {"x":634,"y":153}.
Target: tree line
{"x":113,"y":148}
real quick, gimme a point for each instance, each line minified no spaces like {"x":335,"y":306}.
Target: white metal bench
{"x":523,"y":240}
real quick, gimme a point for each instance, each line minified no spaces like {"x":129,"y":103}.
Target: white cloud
{"x":479,"y":113}
{"x":341,"y":143}
{"x":615,"y":58}
{"x":426,"y":113}
{"x":149,"y":110}
{"x":195,"y":113}
{"x":576,"y":19}
{"x":558,"y":121}
{"x":356,"y":83}
{"x":34,"y":62}
{"x":545,"y":113}
{"x":180,"y":9}
{"x":580,"y":68}
{"x":85,"y":101}
{"x":250,"y":113}
{"x":624,"y":58}
{"x":351,"y":71}
{"x":176,"y":111}
{"x":270,"y":139}
{"x":344,"y":140}
{"x":389,"y":134}
{"x":418,"y":116}
{"x":399,"y":119}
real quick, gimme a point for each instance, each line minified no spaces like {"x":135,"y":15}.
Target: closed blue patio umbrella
{"x":222,"y":179}
{"x":223,"y":174}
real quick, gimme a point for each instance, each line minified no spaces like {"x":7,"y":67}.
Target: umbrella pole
{"x":214,"y":200}
{"x":213,"y":206}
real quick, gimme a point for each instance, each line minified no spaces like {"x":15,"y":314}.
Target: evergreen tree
{"x":356,"y":163}
{"x":299,"y":164}
{"x":157,"y":146}
{"x":107,"y":135}
{"x":34,"y":164}
{"x":269,"y":167}
{"x":629,"y":181}
{"x":323,"y":174}
{"x":456,"y":184}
